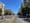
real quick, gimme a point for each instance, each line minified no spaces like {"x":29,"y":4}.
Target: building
{"x":25,"y":9}
{"x":26,"y":3}
{"x":1,"y":8}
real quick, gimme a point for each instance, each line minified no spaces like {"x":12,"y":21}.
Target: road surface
{"x":15,"y":18}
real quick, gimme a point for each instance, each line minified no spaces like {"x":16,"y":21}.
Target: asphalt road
{"x":16,"y":20}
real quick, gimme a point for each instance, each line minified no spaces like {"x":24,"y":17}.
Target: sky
{"x":14,"y":5}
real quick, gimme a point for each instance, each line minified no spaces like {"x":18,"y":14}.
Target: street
{"x":7,"y":19}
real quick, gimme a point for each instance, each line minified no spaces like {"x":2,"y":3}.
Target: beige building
{"x":1,"y":8}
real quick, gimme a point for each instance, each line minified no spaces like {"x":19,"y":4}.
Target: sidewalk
{"x":7,"y":19}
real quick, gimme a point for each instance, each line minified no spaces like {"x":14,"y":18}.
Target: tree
{"x":8,"y":12}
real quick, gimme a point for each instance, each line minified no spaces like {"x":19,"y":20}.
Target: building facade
{"x":1,"y":8}
{"x":26,"y":8}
